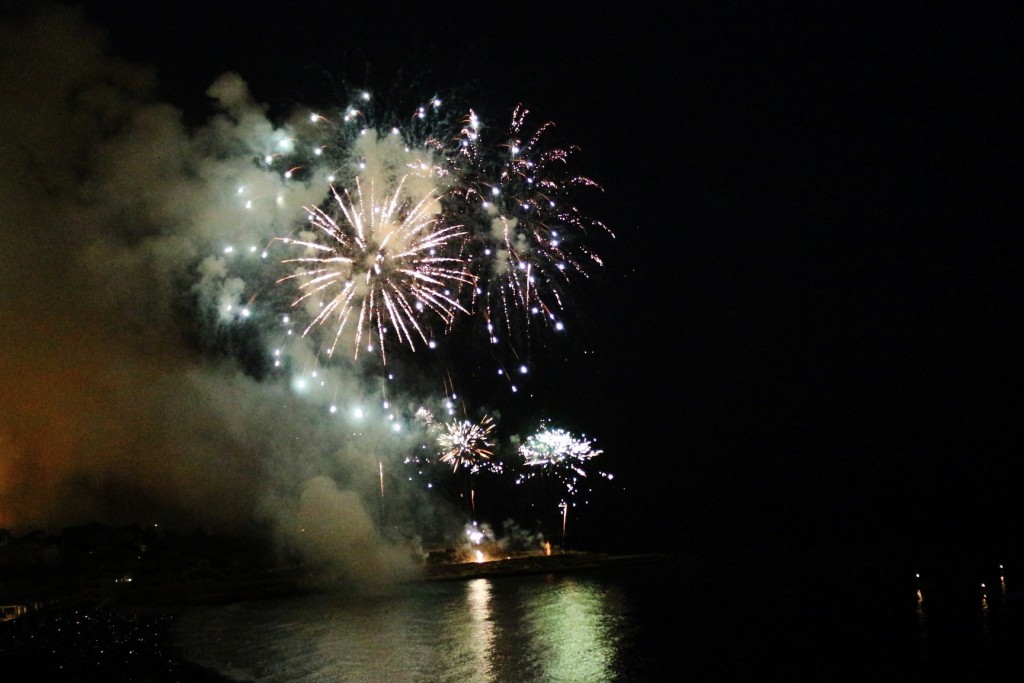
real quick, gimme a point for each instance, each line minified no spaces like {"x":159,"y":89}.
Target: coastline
{"x":562,"y":561}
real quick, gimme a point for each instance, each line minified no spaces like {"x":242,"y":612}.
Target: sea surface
{"x":675,"y":620}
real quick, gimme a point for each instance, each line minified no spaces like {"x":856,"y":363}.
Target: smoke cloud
{"x":128,"y":390}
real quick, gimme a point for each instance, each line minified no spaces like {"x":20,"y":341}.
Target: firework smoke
{"x":115,"y":223}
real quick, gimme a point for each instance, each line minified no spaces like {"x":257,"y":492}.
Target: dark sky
{"x":809,"y":325}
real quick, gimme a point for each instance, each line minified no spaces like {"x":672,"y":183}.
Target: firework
{"x":467,"y":223}
{"x":466,"y":444}
{"x":556,"y":456}
{"x":556,"y":452}
{"x":382,"y":263}
{"x":524,"y":223}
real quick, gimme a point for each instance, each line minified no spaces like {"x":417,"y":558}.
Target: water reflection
{"x":468,"y":633}
{"x":573,"y":632}
{"x":541,"y":629}
{"x":512,"y":629}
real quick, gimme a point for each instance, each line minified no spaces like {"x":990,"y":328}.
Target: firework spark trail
{"x":419,"y":224}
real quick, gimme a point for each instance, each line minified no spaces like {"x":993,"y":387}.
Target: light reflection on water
{"x":574,"y":629}
{"x":539,"y":628}
{"x":467,"y":633}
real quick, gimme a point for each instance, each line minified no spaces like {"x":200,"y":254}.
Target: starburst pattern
{"x":382,"y":262}
{"x":556,"y":454}
{"x":466,"y":444}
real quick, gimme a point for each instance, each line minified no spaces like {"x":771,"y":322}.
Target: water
{"x":659,"y":622}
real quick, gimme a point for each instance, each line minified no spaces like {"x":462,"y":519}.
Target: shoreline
{"x":515,"y":565}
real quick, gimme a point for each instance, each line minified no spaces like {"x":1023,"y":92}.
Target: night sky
{"x":807,"y":332}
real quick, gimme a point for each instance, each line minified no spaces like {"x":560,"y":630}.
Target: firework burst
{"x":557,"y":455}
{"x":519,"y":243}
{"x":382,"y":262}
{"x":554,"y":456}
{"x":466,"y":444}
{"x":525,"y":242}
{"x":405,"y":232}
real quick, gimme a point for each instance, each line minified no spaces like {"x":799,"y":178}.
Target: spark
{"x":425,"y":228}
